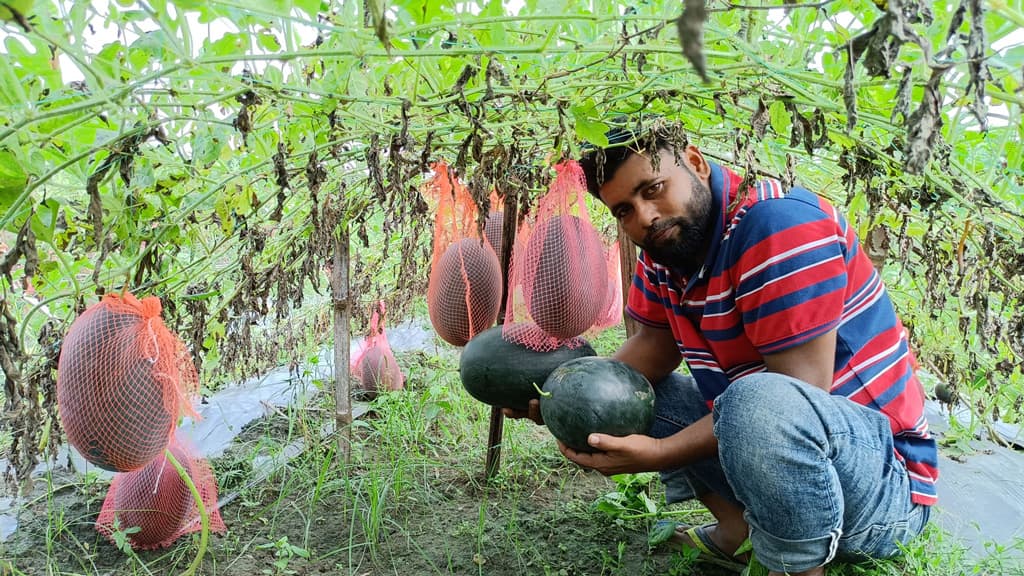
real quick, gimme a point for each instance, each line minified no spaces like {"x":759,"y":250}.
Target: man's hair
{"x":600,"y":164}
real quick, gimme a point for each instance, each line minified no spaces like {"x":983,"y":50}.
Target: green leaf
{"x":108,"y":61}
{"x":12,"y":179}
{"x":660,"y":532}
{"x":44,"y":221}
{"x":206,"y":148}
{"x":779,"y":118}
{"x":310,"y":7}
{"x":268,"y":41}
{"x":230,"y":43}
{"x":22,"y":7}
{"x":279,"y":7}
{"x":588,"y":125}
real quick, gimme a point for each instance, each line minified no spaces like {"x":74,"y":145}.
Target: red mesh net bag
{"x":559,"y":272}
{"x":123,"y":380}
{"x":374,"y":363}
{"x":493,"y":231}
{"x":612,"y":310}
{"x":464,"y":290}
{"x":158,"y":502}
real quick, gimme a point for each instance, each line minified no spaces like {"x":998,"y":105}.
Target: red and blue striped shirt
{"x":783,"y":268}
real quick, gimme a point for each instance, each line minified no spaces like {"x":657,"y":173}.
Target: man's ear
{"x":694,"y":158}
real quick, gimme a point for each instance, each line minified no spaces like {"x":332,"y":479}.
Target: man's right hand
{"x":532,"y":412}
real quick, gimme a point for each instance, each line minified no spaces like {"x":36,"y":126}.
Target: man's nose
{"x":648,"y":214}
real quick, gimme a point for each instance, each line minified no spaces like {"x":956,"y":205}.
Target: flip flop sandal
{"x":709,"y":552}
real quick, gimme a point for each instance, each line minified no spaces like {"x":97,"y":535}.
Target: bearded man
{"x":800,"y":424}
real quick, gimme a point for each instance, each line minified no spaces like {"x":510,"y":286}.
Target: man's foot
{"x":715,"y":546}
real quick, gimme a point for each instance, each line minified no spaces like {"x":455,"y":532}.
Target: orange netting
{"x":123,"y":380}
{"x":493,"y":232}
{"x":612,"y":310}
{"x":464,"y":290}
{"x":560,"y":276}
{"x":374,"y":363}
{"x":158,"y":502}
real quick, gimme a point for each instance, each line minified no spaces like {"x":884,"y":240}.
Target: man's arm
{"x":813,"y":361}
{"x":651,"y":351}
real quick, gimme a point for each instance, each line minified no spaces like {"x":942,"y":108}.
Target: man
{"x":801,"y":426}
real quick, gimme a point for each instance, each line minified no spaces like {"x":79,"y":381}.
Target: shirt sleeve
{"x":645,"y":303}
{"x":789,"y":273}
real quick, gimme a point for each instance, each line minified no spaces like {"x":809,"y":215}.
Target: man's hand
{"x":532,"y":412}
{"x":618,"y":454}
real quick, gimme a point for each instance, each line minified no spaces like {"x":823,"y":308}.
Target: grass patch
{"x":412,"y":500}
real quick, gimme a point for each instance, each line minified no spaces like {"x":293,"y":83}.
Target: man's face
{"x":667,"y":212}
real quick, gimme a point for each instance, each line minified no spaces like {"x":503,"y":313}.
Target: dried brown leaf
{"x":690,"y":25}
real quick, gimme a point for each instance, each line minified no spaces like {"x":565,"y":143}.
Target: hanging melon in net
{"x":493,"y":232}
{"x":374,"y":363}
{"x":464,"y":292}
{"x":565,"y":283}
{"x":559,"y":269}
{"x":464,"y":289}
{"x":157,"y":502}
{"x":122,"y":382}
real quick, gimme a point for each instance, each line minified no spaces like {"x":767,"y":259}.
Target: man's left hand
{"x":617,"y":454}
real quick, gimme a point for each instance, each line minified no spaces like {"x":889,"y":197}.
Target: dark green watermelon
{"x":596,"y":394}
{"x":502,"y":373}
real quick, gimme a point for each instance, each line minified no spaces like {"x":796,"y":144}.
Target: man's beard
{"x":690,"y":240}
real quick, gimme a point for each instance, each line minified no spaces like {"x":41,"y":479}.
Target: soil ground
{"x":431,"y":513}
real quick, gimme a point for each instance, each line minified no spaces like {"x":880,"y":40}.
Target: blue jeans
{"x":815,"y":474}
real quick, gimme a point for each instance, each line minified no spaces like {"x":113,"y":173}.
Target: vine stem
{"x":204,"y":517}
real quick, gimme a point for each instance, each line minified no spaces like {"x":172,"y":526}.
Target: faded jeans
{"x":815,"y":474}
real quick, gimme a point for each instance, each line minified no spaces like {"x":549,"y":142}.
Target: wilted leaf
{"x":902,"y":105}
{"x":976,"y":64}
{"x":759,"y":121}
{"x":719,"y":108}
{"x":691,"y":35}
{"x":924,"y":125}
{"x":849,"y":92}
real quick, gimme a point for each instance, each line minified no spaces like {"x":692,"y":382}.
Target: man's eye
{"x":622,"y":213}
{"x":654,"y":189}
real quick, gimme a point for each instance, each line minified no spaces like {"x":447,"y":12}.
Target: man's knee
{"x":764,"y":407}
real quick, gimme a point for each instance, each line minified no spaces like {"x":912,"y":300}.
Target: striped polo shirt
{"x":782,"y":269}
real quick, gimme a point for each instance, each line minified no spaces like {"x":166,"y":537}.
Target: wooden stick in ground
{"x":627,"y":260}
{"x":342,"y":321}
{"x":510,"y":217}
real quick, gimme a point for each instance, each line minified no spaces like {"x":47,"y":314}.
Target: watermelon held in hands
{"x":595,"y":394}
{"x":502,"y":373}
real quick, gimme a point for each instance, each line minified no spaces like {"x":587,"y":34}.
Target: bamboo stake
{"x":510,"y":217}
{"x":627,"y":259}
{"x":342,"y":322}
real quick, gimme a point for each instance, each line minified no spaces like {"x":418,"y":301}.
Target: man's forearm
{"x":691,"y":444}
